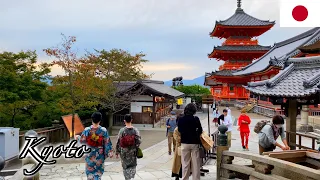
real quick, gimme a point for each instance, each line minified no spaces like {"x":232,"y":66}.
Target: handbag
{"x":139,"y":153}
{"x":179,"y":150}
{"x":206,"y":141}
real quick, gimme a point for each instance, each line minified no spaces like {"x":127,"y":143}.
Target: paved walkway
{"x":156,"y":163}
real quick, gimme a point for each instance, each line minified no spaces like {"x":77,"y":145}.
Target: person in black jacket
{"x":190,"y":129}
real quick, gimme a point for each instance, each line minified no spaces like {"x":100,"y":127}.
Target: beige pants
{"x":229,"y":134}
{"x":190,"y":153}
{"x":170,"y":141}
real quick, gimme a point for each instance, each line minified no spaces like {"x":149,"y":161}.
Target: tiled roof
{"x":281,"y":51}
{"x":156,"y":86}
{"x":161,"y":88}
{"x":300,"y":79}
{"x":243,"y":48}
{"x":224,"y":72}
{"x":208,"y":81}
{"x":240,"y":18}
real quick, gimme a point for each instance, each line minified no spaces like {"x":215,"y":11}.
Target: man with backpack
{"x":269,"y":133}
{"x":171,"y":126}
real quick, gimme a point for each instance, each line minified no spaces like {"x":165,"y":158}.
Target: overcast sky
{"x":173,"y":33}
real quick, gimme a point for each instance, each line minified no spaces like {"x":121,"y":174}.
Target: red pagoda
{"x":239,"y":50}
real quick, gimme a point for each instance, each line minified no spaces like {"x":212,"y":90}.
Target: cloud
{"x":177,"y":30}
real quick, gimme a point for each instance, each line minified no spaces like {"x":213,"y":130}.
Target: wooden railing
{"x":266,"y":111}
{"x":260,"y":167}
{"x":314,"y":112}
{"x":211,"y":154}
{"x":54,"y":134}
{"x":299,"y":137}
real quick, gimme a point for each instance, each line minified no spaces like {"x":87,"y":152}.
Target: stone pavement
{"x":156,"y":163}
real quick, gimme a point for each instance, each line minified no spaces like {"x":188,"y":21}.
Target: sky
{"x":174,"y":34}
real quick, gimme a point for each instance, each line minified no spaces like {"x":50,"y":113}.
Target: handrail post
{"x":222,"y":146}
{"x":29,"y":160}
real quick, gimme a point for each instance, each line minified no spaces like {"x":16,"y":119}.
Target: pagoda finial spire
{"x":239,"y":3}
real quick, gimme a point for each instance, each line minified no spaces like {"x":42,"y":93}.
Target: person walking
{"x":216,"y":116}
{"x":190,"y":129}
{"x":269,"y":134}
{"x":97,"y":138}
{"x":229,"y":110}
{"x":129,"y":141}
{"x":227,"y":121}
{"x":243,"y":123}
{"x":171,"y":126}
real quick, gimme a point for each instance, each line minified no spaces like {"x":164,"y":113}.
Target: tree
{"x":80,"y":87}
{"x":194,"y":91}
{"x":118,"y":66}
{"x":21,"y":89}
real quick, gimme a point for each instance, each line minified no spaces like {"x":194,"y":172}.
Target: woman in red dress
{"x":243,"y":123}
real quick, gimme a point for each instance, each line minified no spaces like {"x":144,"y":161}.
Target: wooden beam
{"x":281,"y":152}
{"x":251,"y":172}
{"x":291,"y":122}
{"x":285,"y":155}
{"x":278,"y":163}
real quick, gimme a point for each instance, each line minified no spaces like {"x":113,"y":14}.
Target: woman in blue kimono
{"x":97,"y":138}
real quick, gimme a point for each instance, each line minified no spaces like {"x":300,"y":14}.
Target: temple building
{"x":268,"y":65}
{"x":239,"y":50}
{"x":295,"y":88}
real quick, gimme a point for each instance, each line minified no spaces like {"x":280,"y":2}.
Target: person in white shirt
{"x":227,"y":122}
{"x":229,"y":110}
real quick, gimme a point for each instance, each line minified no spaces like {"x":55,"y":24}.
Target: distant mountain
{"x":197,"y":81}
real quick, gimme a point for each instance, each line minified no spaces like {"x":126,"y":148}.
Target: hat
{"x":173,"y":113}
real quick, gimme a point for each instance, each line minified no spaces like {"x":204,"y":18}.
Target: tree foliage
{"x":194,"y":91}
{"x":118,"y":66}
{"x":90,"y":82}
{"x":22,"y":93}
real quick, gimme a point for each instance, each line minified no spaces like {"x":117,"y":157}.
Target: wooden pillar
{"x":153,"y":109}
{"x":291,"y":123}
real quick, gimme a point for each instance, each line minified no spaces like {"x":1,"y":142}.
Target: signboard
{"x":207,"y":99}
{"x":180,"y":101}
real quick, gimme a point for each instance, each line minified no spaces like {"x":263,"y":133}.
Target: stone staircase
{"x":249,"y":106}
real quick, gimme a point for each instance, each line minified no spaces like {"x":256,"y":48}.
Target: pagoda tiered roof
{"x":240,"y":18}
{"x":300,"y":78}
{"x":241,"y":24}
{"x":280,"y":52}
{"x":223,"y":51}
{"x":247,"y":49}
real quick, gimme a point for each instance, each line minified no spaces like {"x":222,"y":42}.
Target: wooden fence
{"x":299,"y":137}
{"x":268,"y":111}
{"x":260,"y":168}
{"x":281,"y":166}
